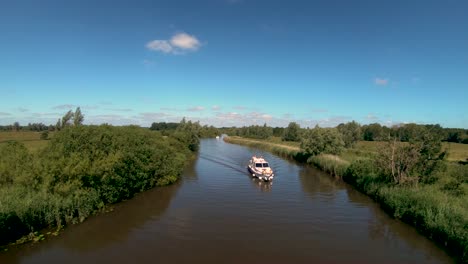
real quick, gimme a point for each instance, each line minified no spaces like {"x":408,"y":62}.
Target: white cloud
{"x":4,"y":114}
{"x":216,"y":107}
{"x":159,"y":45}
{"x":178,"y":44}
{"x":185,"y":41}
{"x":111,"y":119}
{"x":196,"y":109}
{"x":381,"y":81}
{"x":331,"y":121}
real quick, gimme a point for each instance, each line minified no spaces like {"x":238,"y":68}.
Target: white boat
{"x":260,"y":169}
{"x":217,"y":137}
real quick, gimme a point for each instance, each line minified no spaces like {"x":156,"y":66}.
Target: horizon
{"x":235,"y":62}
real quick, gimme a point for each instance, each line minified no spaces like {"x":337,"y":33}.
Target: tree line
{"x":353,"y":131}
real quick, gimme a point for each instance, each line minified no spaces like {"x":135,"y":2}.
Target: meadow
{"x":31,"y":140}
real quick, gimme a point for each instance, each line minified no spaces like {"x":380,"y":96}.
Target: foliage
{"x":329,"y":163}
{"x":162,"y":126}
{"x":67,"y":118}
{"x":79,"y":171}
{"x":322,"y":140}
{"x":278,"y":131}
{"x":15,"y":164}
{"x":209,"y":131}
{"x":255,"y":131}
{"x":373,"y":132}
{"x":292,"y":132}
{"x":78,"y":117}
{"x":44,"y":135}
{"x":188,"y":133}
{"x":351,"y":132}
{"x":413,"y":162}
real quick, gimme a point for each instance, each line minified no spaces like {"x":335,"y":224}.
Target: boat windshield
{"x":258,"y":165}
{"x":265,"y":165}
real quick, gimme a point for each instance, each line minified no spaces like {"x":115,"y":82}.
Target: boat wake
{"x":222,"y":163}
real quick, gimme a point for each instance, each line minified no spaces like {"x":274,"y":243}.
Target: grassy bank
{"x":437,"y":210}
{"x":78,"y":172}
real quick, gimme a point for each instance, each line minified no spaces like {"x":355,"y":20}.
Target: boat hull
{"x":259,"y":175}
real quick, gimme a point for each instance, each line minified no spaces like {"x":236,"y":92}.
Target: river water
{"x":218,"y":214}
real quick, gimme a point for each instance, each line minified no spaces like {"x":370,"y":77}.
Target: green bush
{"x":15,"y":163}
{"x":80,"y":170}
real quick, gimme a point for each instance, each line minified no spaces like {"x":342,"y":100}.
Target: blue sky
{"x":235,"y":62}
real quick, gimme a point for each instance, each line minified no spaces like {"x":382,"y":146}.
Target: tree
{"x":292,"y":132}
{"x":322,"y":140}
{"x":58,"y":126}
{"x":372,"y":132}
{"x":67,"y":118}
{"x":78,"y":117}
{"x":351,"y":132}
{"x":189,"y":134}
{"x":414,"y":161}
{"x":45,"y":135}
{"x":16,"y":126}
{"x":278,"y":131}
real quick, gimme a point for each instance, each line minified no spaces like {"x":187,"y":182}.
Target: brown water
{"x":218,"y":214}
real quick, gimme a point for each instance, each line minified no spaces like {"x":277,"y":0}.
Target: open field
{"x":32,"y":140}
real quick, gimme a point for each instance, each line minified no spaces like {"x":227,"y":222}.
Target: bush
{"x":80,"y":170}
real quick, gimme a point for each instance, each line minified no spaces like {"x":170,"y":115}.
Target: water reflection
{"x":314,"y":182}
{"x":262,"y":185}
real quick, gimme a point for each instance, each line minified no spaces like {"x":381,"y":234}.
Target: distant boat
{"x":217,"y":137}
{"x":260,"y":169}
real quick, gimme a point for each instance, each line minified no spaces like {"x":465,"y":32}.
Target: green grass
{"x":457,"y":151}
{"x":32,"y":140}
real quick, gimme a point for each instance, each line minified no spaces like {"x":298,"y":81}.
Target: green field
{"x":32,"y":140}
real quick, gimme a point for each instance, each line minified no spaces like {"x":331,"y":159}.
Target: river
{"x":218,"y":214}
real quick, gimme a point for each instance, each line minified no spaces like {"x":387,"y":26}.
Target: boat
{"x":259,"y":168}
{"x":217,"y":137}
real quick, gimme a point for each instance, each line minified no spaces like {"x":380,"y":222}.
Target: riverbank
{"x":434,"y":211}
{"x":79,"y":172}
